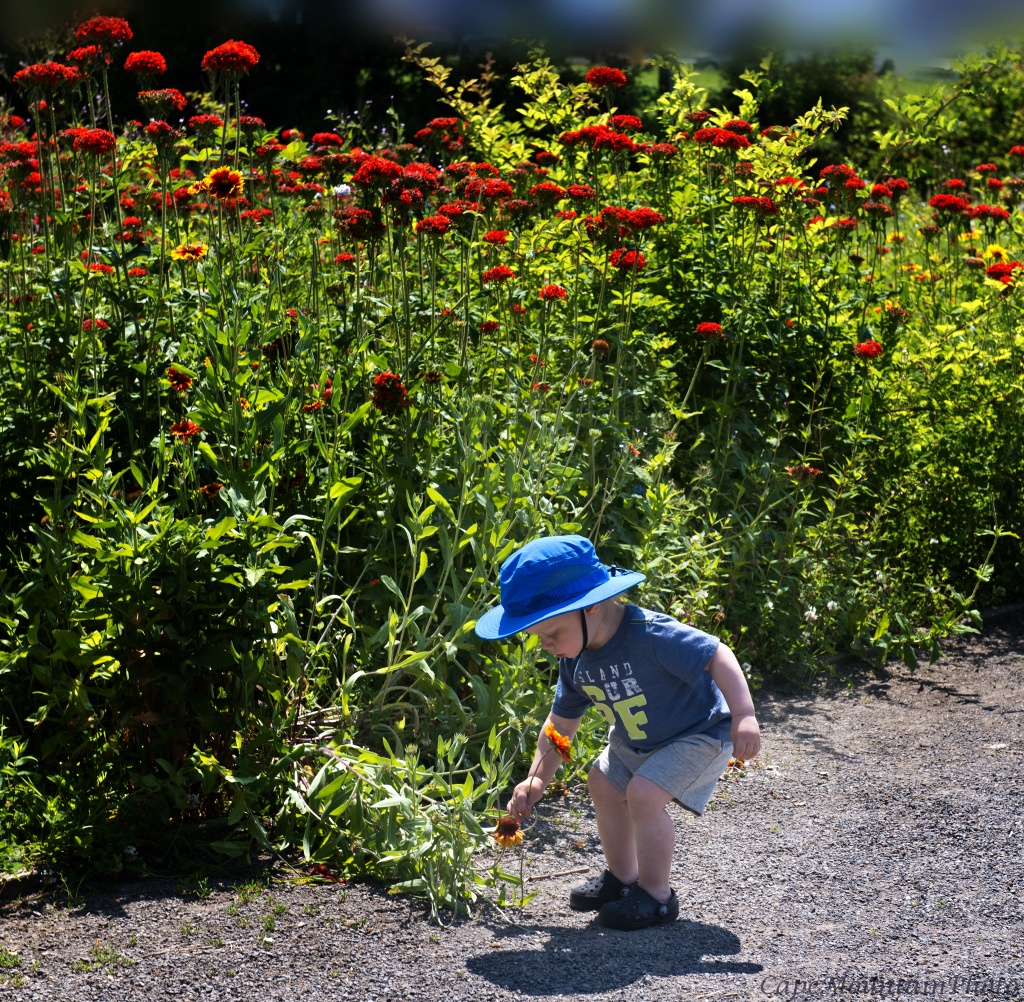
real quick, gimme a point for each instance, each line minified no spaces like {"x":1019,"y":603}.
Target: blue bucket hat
{"x":549,"y":576}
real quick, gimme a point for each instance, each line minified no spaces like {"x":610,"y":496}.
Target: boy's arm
{"x":728,"y":676}
{"x":546,"y":761}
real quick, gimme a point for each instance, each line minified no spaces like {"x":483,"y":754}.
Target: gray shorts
{"x":688,"y":768}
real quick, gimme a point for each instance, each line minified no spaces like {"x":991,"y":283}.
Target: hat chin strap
{"x":586,"y":636}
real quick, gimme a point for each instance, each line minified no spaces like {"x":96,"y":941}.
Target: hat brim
{"x":496,"y":623}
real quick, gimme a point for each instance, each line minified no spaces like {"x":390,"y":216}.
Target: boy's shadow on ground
{"x":594,"y":959}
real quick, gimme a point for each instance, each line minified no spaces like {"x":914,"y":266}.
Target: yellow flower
{"x":224,"y":183}
{"x":189,"y":252}
{"x":507,"y":833}
{"x":559,"y":742}
{"x":993,"y":252}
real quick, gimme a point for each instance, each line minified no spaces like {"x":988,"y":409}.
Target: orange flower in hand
{"x":507,"y":833}
{"x":560,"y":743}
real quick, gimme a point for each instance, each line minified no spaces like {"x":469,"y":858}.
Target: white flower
{"x":342,"y":189}
{"x":769,"y":605}
{"x":811,"y":615}
{"x":933,"y":542}
{"x":130,"y":851}
{"x":746,"y":667}
{"x":701,"y":595}
{"x":879,"y":576}
{"x":832,"y":606}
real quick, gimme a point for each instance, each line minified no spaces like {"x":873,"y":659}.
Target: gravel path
{"x":879,"y":837}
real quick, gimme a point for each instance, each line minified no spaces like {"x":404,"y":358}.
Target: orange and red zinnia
{"x":183,"y":430}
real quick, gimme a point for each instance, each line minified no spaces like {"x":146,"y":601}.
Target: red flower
{"x":434,"y":225}
{"x":954,"y":184}
{"x":949,"y":203}
{"x":580,"y":192}
{"x":547,"y":192}
{"x":881,"y":191}
{"x":137,"y":272}
{"x":161,"y":101}
{"x":146,"y":62}
{"x":721,"y":139}
{"x":837,"y":172}
{"x":854,"y":184}
{"x":183,"y":430}
{"x":101,"y":269}
{"x":376,"y":171}
{"x":874,"y":208}
{"x":489,"y":326}
{"x":989,"y":212}
{"x":697,"y":116}
{"x":231,"y":57}
{"x":1016,"y":151}
{"x":178,"y":380}
{"x":87,"y":55}
{"x":95,"y":141}
{"x":626,"y":123}
{"x":867,"y":349}
{"x":1002,"y":271}
{"x":738,"y":125}
{"x":104,"y":31}
{"x":344,"y":258}
{"x":986,"y":168}
{"x":709,"y":330}
{"x":627,"y":260}
{"x":158,"y":131}
{"x":617,"y":141}
{"x":898,"y":185}
{"x":501,"y":273}
{"x":389,"y":393}
{"x":327,"y":139}
{"x":540,"y":387}
{"x":600,"y":347}
{"x":552,"y":292}
{"x":205,"y":123}
{"x":844,"y":225}
{"x":47,"y":76}
{"x":605,"y":76}
{"x":760,"y":204}
{"x":495,"y":237}
{"x":95,"y":324}
{"x":488,"y":189}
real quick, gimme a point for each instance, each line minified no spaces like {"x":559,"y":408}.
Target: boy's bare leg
{"x":614,"y":825}
{"x":654,"y":835}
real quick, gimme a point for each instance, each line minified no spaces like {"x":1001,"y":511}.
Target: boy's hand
{"x":524,"y":796}
{"x":746,"y":737}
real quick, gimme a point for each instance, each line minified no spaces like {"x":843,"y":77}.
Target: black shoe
{"x":638,"y":910}
{"x":596,"y":892}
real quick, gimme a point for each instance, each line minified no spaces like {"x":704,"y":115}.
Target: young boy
{"x":675,"y":697}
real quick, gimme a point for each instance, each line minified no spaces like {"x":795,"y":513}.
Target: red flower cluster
{"x":47,"y":76}
{"x":389,"y":394}
{"x":995,"y":212}
{"x":802,"y":472}
{"x":709,"y":330}
{"x":949,"y":203}
{"x":159,"y":102}
{"x":231,"y":57}
{"x":88,"y":55}
{"x":626,"y":123}
{"x":375,"y":171}
{"x":1002,"y":271}
{"x":760,"y":204}
{"x":146,"y":62}
{"x":837,"y":172}
{"x":552,"y":292}
{"x":547,"y":193}
{"x":95,"y":141}
{"x":605,"y":76}
{"x":104,"y":31}
{"x":436,"y":226}
{"x":495,"y":237}
{"x":327,"y":139}
{"x":867,"y":349}
{"x":95,"y":324}
{"x":722,"y":139}
{"x":489,"y":326}
{"x":627,"y":260}
{"x":500,"y":273}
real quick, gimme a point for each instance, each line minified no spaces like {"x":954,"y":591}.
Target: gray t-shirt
{"x":648,"y":681}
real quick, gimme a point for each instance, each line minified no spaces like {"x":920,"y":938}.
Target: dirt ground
{"x":873,"y":850}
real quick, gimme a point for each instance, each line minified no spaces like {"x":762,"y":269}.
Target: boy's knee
{"x":600,"y":785}
{"x":645,"y":797}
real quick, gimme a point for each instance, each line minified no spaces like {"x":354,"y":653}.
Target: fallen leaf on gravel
{"x":998,"y":745}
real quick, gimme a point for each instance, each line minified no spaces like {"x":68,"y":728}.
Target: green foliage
{"x":265,"y":457}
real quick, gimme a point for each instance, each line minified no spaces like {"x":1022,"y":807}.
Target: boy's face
{"x":561,"y":636}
